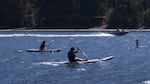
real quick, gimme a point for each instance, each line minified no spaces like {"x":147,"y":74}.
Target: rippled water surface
{"x":130,"y":65}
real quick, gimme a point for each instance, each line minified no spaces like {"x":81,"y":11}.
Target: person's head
{"x":43,"y":42}
{"x":72,"y":48}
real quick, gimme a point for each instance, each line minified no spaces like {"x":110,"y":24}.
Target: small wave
{"x":81,"y":69}
{"x":49,"y":63}
{"x":146,"y":82}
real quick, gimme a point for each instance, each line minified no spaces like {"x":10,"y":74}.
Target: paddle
{"x":83,"y":53}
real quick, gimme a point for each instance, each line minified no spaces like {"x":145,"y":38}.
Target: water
{"x":130,"y":65}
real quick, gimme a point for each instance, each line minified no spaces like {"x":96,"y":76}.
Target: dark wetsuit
{"x":72,"y":56}
{"x":42,"y":47}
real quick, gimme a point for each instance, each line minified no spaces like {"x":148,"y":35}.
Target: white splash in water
{"x":56,"y":35}
{"x":147,"y":82}
{"x":81,"y":69}
{"x":50,"y":63}
{"x":20,"y":51}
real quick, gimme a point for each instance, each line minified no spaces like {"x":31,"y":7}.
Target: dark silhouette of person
{"x":137,"y":43}
{"x":43,"y":46}
{"x":72,"y":55}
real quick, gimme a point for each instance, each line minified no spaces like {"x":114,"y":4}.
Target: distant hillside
{"x":74,"y":13}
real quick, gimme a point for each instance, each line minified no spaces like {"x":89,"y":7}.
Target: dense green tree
{"x":10,"y":13}
{"x":123,"y":15}
{"x":75,"y":13}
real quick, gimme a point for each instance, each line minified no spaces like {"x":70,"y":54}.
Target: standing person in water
{"x":72,"y":55}
{"x":43,"y":46}
{"x":137,"y":43}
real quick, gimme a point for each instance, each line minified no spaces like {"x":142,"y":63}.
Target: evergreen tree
{"x":49,"y":13}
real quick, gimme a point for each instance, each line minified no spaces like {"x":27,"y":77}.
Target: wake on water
{"x":56,"y":35}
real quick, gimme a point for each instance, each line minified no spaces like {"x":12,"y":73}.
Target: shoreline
{"x":78,"y":30}
{"x":102,"y":28}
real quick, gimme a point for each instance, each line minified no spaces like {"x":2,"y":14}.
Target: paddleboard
{"x":96,"y":60}
{"x":49,"y":50}
{"x":79,"y":62}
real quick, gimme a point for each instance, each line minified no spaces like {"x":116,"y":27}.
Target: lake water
{"x":130,"y":65}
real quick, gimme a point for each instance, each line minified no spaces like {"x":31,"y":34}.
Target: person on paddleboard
{"x":72,"y":55}
{"x":43,"y":46}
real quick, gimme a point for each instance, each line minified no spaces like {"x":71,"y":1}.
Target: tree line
{"x":74,"y":13}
